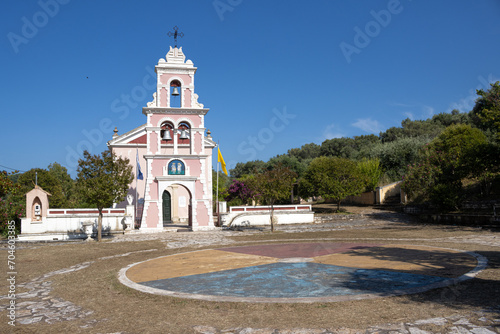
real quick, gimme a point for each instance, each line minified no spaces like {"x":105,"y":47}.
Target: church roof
{"x":37,"y":189}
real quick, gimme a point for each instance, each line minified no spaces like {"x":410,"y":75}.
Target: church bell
{"x":175,"y":91}
{"x":166,"y":135}
{"x":184,"y":135}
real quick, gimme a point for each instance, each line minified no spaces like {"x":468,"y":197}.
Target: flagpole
{"x":217,"y":188}
{"x":136,"y":174}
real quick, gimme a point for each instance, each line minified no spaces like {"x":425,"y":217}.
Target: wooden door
{"x":167,"y":208}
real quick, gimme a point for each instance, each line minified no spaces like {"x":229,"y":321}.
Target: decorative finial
{"x":176,"y":34}
{"x":115,"y":132}
{"x":209,"y":133}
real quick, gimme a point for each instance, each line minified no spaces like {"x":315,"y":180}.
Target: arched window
{"x":175,"y":94}
{"x":176,"y":167}
{"x":167,"y":133}
{"x":184,"y":133}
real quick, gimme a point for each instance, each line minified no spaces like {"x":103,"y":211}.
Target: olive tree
{"x":332,"y":178}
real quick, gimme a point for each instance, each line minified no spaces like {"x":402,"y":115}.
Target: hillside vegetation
{"x":443,"y":160}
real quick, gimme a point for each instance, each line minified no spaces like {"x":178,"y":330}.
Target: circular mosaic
{"x":302,"y":272}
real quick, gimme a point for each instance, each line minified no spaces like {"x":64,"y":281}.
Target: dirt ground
{"x":73,"y":286}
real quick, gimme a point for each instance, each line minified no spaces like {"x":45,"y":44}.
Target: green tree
{"x":372,"y":171}
{"x":224,"y":182}
{"x":486,"y":111}
{"x":306,"y":153}
{"x":47,"y":181}
{"x":275,"y":185}
{"x":422,"y":176}
{"x":459,"y":144}
{"x":452,"y":118}
{"x":12,"y":204}
{"x":457,"y":153}
{"x":364,"y":145}
{"x":286,"y":160}
{"x":332,"y":178}
{"x":103,"y":180}
{"x":412,"y":129}
{"x":397,"y":155}
{"x":487,"y":170}
{"x":338,"y":147}
{"x":247,"y":168}
{"x":68,"y":185}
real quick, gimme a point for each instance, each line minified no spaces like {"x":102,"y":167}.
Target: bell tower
{"x":178,"y":185}
{"x":172,"y":150}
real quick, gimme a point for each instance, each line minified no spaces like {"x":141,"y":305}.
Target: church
{"x":171,"y":153}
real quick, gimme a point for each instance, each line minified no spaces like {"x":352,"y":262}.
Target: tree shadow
{"x":396,"y":270}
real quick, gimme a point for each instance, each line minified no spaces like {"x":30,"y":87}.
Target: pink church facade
{"x":174,"y":152}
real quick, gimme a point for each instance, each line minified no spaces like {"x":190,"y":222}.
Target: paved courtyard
{"x":43,"y":308}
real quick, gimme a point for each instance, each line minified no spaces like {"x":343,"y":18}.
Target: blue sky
{"x":275,"y":74}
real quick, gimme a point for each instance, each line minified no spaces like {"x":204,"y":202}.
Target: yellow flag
{"x":221,"y":160}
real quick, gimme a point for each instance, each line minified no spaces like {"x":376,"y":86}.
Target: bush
{"x":447,"y":196}
{"x":239,"y":192}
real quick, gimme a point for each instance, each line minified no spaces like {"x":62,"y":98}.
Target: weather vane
{"x":176,"y":34}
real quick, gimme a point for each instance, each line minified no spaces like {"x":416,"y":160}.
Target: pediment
{"x":134,"y":137}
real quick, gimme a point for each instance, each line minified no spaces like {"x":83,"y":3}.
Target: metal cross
{"x":176,"y":34}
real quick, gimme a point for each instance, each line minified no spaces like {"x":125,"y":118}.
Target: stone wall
{"x":463,"y":219}
{"x":390,"y":190}
{"x":367,"y":198}
{"x":379,"y":196}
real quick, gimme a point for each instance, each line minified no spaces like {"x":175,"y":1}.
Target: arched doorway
{"x":181,"y":205}
{"x":177,"y":206}
{"x":167,"y":208}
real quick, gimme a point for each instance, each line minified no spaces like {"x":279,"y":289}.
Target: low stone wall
{"x":463,"y":219}
{"x":260,"y":215}
{"x":65,"y":224}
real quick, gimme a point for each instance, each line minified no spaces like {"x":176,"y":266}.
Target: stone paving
{"x":40,"y":306}
{"x":475,"y":323}
{"x":37,"y":305}
{"x":457,"y":324}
